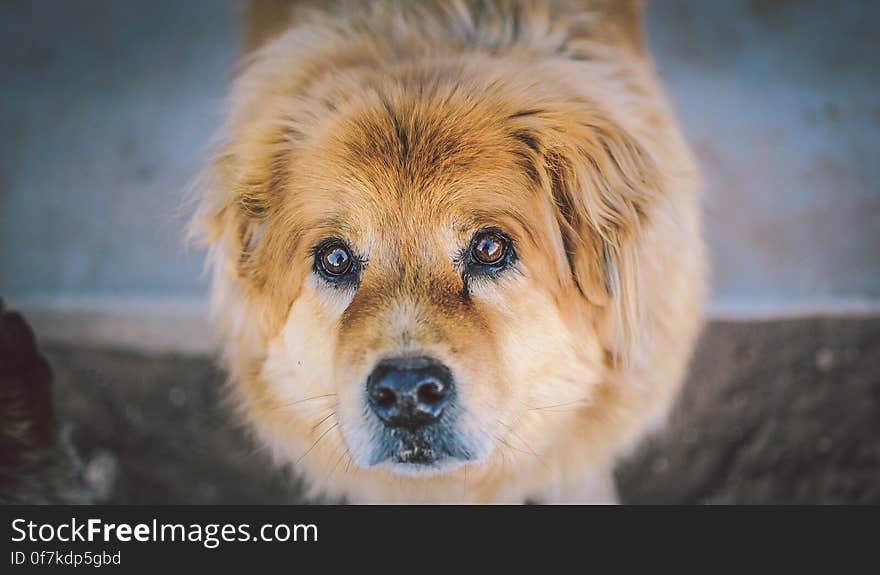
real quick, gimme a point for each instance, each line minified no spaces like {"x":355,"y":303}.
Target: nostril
{"x":383,"y":397}
{"x":431,"y":392}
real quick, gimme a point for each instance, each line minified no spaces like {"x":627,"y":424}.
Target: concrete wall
{"x":779,"y":100}
{"x":107,"y":109}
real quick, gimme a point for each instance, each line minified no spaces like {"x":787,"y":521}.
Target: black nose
{"x":409,"y":392}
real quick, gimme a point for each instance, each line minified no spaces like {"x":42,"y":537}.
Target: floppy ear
{"x":603,"y":184}
{"x":623,"y":18}
{"x":236,"y":199}
{"x":235,"y":196}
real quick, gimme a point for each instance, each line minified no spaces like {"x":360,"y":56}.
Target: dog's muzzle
{"x":414,"y":399}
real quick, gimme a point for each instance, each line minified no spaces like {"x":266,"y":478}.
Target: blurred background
{"x":107,"y":110}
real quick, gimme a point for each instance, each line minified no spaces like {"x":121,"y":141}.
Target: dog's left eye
{"x":490,"y":252}
{"x":335,"y":260}
{"x":489,"y":248}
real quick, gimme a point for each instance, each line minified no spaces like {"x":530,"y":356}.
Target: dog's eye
{"x":490,"y":253}
{"x":489,"y":248}
{"x":334,"y":259}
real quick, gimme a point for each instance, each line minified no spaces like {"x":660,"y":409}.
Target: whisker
{"x":524,"y":442}
{"x":501,"y":450}
{"x":256,"y":449}
{"x":464,"y":483}
{"x":323,"y":419}
{"x":496,"y":444}
{"x":309,"y":450}
{"x":503,"y":441}
{"x":575,"y":402}
{"x":335,"y":465}
{"x":298,"y":401}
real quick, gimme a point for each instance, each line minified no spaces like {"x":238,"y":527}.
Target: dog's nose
{"x":409,"y":392}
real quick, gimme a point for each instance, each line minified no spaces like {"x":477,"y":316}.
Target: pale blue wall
{"x":107,"y":108}
{"x":781,"y":101}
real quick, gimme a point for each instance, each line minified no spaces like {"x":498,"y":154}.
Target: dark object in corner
{"x":37,"y":464}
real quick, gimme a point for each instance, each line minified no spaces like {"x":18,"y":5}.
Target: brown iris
{"x":489,"y":248}
{"x":335,"y":259}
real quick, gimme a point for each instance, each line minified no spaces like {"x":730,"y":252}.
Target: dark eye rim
{"x":478,"y":267}
{"x":350,"y":275}
{"x":479,"y":237}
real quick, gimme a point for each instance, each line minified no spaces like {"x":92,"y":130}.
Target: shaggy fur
{"x":404,"y":127}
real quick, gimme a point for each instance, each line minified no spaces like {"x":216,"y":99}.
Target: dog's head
{"x":426,"y":269}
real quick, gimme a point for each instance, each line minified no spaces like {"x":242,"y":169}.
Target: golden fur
{"x":404,"y":127}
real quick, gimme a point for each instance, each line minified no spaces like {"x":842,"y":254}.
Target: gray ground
{"x":777,"y":412}
{"x":773,"y":412}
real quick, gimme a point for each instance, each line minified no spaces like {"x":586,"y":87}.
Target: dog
{"x":455,"y":246}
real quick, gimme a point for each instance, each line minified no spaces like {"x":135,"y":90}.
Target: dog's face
{"x":432,"y":282}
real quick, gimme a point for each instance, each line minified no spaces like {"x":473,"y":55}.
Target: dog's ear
{"x":236,"y":198}
{"x":236,"y":195}
{"x":618,"y":22}
{"x":265,"y":19}
{"x":603,"y":184}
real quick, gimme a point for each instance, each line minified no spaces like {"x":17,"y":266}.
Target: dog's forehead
{"x":408,"y":170}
